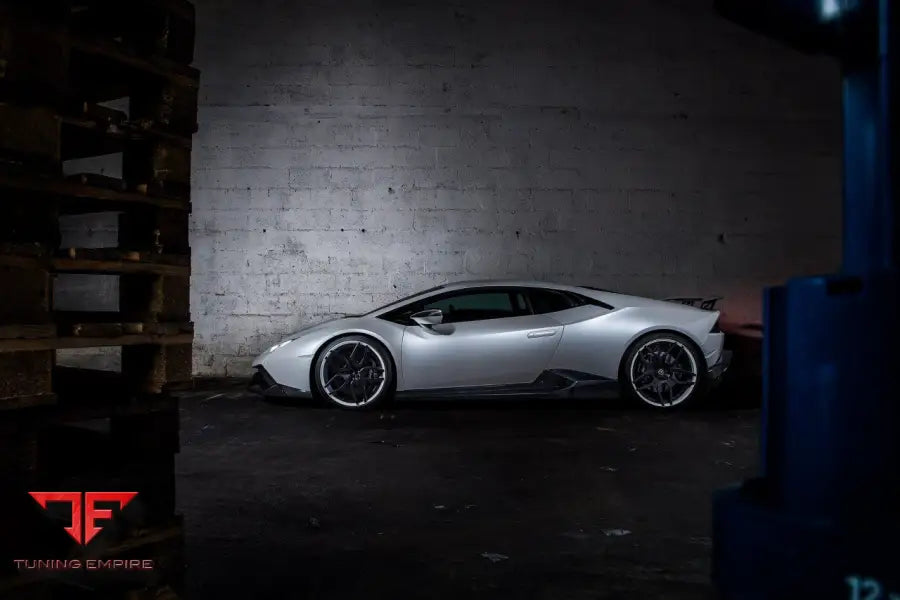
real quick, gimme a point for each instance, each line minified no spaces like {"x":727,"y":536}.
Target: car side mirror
{"x":427,"y":318}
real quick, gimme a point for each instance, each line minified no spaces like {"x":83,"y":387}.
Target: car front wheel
{"x":354,"y":372}
{"x":663,"y":371}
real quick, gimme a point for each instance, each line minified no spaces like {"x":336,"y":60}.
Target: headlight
{"x":279,"y":345}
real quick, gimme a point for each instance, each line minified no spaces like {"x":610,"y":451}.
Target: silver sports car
{"x":502,"y":338}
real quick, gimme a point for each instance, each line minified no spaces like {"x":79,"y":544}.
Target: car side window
{"x":545,"y":301}
{"x":474,"y":306}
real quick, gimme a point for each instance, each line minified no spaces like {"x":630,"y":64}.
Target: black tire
{"x":357,"y":354}
{"x":649,"y":377}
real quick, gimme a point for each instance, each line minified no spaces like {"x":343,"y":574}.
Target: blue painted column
{"x":823,"y":518}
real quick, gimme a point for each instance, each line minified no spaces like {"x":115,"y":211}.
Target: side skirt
{"x":549,"y":384}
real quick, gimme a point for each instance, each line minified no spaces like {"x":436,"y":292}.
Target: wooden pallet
{"x":155,"y":162}
{"x":60,"y":60}
{"x":150,"y":365}
{"x":63,"y":66}
{"x":84,"y":194}
{"x":148,"y":28}
{"x":149,"y":265}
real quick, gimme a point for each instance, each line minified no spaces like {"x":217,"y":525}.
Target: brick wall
{"x":353,"y":152}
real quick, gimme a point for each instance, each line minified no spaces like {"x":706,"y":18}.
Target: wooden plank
{"x":178,"y":35}
{"x":31,"y":301}
{"x":80,"y":265}
{"x":180,"y":8}
{"x":98,"y":114}
{"x":107,"y":254}
{"x":176,"y":302}
{"x":92,"y":393}
{"x":91,"y":329}
{"x":179,"y":363}
{"x":77,"y":265}
{"x":25,"y":373}
{"x":31,"y":134}
{"x":83,"y":137}
{"x":145,"y":27}
{"x":113,"y":328}
{"x":27,"y":225}
{"x":150,"y":368}
{"x":24,"y":249}
{"x":93,"y":388}
{"x":98,"y":181}
{"x":165,"y":299}
{"x":33,"y":58}
{"x":171,"y":71}
{"x":165,"y":168}
{"x":22,"y":402}
{"x":115,"y":254}
{"x":25,"y":345}
{"x":17,"y":261}
{"x":162,"y":231}
{"x":171,"y":107}
{"x":77,"y":190}
{"x":92,"y":316}
{"x":27,"y":331}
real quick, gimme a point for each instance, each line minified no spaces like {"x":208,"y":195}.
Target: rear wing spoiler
{"x":708,"y":303}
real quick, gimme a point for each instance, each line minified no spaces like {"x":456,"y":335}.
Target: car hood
{"x":345,"y":319}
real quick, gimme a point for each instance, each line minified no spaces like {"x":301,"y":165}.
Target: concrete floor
{"x":517,"y":499}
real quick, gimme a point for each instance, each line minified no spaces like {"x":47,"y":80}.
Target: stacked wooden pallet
{"x":79,"y":79}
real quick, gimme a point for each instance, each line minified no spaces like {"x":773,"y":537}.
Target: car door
{"x":488,"y":337}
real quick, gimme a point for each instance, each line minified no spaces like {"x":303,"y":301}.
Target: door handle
{"x":541,"y":333}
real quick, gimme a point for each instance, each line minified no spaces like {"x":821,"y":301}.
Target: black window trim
{"x":578,"y":299}
{"x":394,"y":315}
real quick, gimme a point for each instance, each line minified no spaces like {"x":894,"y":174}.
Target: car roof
{"x":463,"y":284}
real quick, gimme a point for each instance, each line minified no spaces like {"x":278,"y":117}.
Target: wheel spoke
{"x":658,"y":392}
{"x":643,"y":375}
{"x":348,"y":364}
{"x":332,"y":390}
{"x":333,"y":377}
{"x":357,"y":363}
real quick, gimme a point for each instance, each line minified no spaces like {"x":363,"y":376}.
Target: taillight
{"x":715,"y":328}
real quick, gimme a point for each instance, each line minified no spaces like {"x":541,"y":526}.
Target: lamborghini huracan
{"x":502,"y":338}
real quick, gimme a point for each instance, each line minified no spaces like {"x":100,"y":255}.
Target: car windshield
{"x":399,"y":300}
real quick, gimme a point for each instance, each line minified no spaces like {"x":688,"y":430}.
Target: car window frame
{"x":396,"y":315}
{"x":574,"y":301}
{"x":578,"y":300}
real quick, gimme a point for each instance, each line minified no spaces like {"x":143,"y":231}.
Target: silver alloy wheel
{"x":352,"y":373}
{"x":663,"y":372}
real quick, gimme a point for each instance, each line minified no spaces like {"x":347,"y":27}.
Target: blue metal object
{"x":823,"y":518}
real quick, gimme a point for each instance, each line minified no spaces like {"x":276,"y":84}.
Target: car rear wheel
{"x":663,"y":371}
{"x":354,"y":372}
